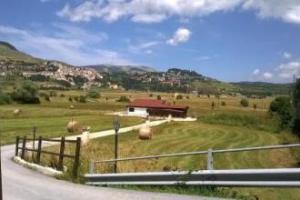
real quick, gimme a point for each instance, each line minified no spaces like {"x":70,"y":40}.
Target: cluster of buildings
{"x":55,"y":71}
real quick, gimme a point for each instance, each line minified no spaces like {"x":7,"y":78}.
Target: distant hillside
{"x":121,"y":68}
{"x":260,"y":88}
{"x":10,"y":53}
{"x":16,"y":64}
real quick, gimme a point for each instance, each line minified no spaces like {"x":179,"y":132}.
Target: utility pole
{"x":116,"y":124}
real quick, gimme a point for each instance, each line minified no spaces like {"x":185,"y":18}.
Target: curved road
{"x":20,"y":183}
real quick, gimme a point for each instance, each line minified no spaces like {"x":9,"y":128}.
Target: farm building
{"x":152,"y":107}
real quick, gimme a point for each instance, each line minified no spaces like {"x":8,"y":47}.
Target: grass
{"x":181,"y":137}
{"x":229,"y":126}
{"x":51,"y":119}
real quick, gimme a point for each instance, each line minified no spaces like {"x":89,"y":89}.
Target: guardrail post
{"x":76,"y":161}
{"x":23,"y":148}
{"x":17,"y":146}
{"x":92,"y":167}
{"x":210,"y":159}
{"x":38,"y":155}
{"x":61,"y":154}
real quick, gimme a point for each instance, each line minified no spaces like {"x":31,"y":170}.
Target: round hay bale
{"x":17,"y":111}
{"x":145,"y":133}
{"x":74,"y":127}
{"x":72,"y":107}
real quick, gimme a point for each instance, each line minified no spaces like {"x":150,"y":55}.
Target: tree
{"x":282,"y":106}
{"x":244,"y":103}
{"x":296,"y":104}
{"x":27,"y":94}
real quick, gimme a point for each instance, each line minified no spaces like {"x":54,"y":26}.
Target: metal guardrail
{"x":244,"y":177}
{"x":209,"y":154}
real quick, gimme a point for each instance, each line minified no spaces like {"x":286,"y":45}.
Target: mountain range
{"x":14,"y":63}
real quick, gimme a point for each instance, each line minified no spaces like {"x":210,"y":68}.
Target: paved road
{"x":20,"y":183}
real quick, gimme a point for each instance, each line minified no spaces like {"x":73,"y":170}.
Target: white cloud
{"x":68,"y":43}
{"x":287,"y":55}
{"x":286,"y":10}
{"x":150,"y":11}
{"x":144,"y":47}
{"x":289,"y":70}
{"x":180,"y":36}
{"x":256,"y":72}
{"x":267,"y":75}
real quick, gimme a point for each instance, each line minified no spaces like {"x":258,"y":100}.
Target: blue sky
{"x":231,"y":40}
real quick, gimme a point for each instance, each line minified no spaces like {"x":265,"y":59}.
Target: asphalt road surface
{"x":20,"y":183}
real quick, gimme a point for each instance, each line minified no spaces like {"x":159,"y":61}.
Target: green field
{"x":227,"y":126}
{"x":52,"y":118}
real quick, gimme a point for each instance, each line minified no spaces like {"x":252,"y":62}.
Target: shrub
{"x":254,"y":106}
{"x":296,"y":103}
{"x":179,"y":97}
{"x":94,"y":94}
{"x":76,"y":98}
{"x":53,"y":93}
{"x":4,"y":98}
{"x":244,"y":102}
{"x":282,"y":106}
{"x":123,"y":99}
{"x":70,"y":99}
{"x":223,"y":103}
{"x":82,"y":99}
{"x":27,"y":94}
{"x":62,"y":95}
{"x":158,"y":97}
{"x":212,"y":105}
{"x":47,"y":97}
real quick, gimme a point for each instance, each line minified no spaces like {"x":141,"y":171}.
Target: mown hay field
{"x":217,"y":127}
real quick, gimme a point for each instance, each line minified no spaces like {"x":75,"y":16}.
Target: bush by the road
{"x":282,"y":107}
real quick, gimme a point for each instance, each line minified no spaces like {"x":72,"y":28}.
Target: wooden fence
{"x":39,"y":151}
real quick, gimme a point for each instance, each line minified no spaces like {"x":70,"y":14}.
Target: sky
{"x":230,"y":40}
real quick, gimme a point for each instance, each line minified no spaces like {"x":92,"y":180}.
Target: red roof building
{"x":155,"y":107}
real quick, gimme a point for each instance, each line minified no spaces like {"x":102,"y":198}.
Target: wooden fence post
{"x":61,"y":154}
{"x":76,"y":160}
{"x":38,"y":155}
{"x":23,"y":148}
{"x":17,"y":146}
{"x":33,"y":141}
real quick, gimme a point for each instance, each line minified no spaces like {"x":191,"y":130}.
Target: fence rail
{"x":39,"y":150}
{"x":209,"y":153}
{"x":242,"y":177}
{"x":233,"y":177}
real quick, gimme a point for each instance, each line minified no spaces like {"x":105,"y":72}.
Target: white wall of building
{"x":139,"y":112}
